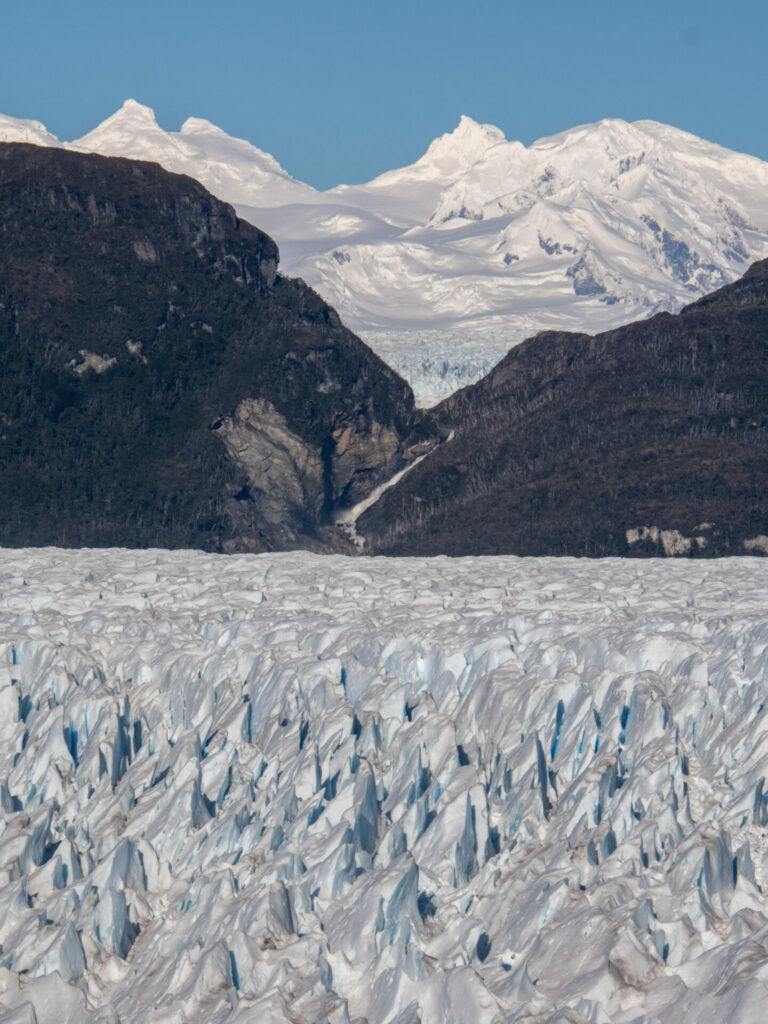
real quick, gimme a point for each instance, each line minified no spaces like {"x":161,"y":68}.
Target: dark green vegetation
{"x":573,"y":440}
{"x":136,"y":314}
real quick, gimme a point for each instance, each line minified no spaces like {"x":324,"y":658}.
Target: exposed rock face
{"x":361,"y":447}
{"x":651,"y":439}
{"x":293,"y":484}
{"x":285,"y":474}
{"x":136,"y":312}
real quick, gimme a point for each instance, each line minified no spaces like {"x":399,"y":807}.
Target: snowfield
{"x":294,"y":788}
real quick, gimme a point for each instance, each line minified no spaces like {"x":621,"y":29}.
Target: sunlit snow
{"x":293,"y":788}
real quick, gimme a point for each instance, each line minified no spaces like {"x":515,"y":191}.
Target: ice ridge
{"x":293,"y":788}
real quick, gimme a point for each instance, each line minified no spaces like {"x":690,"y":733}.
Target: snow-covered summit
{"x":448,"y":156}
{"x":611,"y":158}
{"x":16,"y":129}
{"x":132,"y":128}
{"x":231,"y":168}
{"x":130,"y":111}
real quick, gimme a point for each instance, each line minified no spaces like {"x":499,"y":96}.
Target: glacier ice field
{"x":294,"y":788}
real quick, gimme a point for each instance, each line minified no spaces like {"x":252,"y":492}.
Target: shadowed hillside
{"x":603,"y":445}
{"x":160,"y":383}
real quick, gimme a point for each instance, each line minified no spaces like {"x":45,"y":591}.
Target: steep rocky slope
{"x":160,"y":382}
{"x":652,"y":438}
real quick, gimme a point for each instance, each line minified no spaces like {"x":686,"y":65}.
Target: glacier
{"x":445,"y":264}
{"x":293,"y":788}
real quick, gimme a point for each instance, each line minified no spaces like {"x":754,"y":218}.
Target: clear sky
{"x":341,"y":90}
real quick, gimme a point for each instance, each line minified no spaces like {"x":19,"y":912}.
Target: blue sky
{"x":342,"y":90}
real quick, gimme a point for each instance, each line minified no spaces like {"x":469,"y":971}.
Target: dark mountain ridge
{"x":160,"y":383}
{"x":648,"y":439}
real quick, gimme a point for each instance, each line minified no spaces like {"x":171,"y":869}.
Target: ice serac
{"x":294,"y":788}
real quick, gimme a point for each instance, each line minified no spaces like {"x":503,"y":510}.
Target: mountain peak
{"x":468,"y":137}
{"x":616,"y":137}
{"x":608,"y":134}
{"x":136,"y":111}
{"x":468,"y":127}
{"x":456,"y":151}
{"x":123,"y":124}
{"x":127,"y":132}
{"x":199,"y":125}
{"x":450,"y":155}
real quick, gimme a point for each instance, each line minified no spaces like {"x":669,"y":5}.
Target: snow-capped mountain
{"x":262,"y":789}
{"x":231,"y":168}
{"x":443,"y":264}
{"x":16,"y":129}
{"x":584,"y":230}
